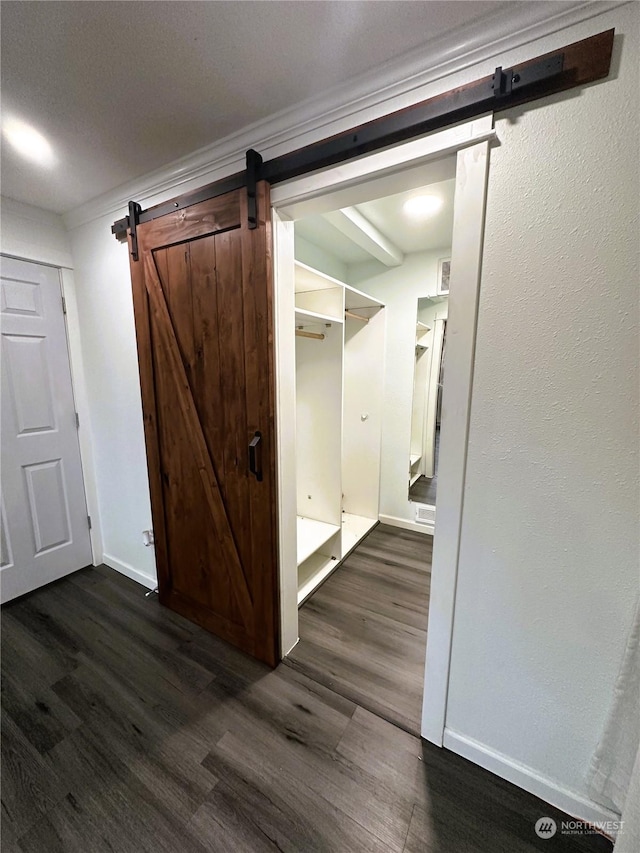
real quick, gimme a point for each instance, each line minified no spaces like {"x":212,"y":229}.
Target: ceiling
{"x":386,"y":215}
{"x":407,"y":233}
{"x":122,"y":88}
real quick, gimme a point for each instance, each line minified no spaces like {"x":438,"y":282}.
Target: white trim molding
{"x":524,"y":777}
{"x":81,"y":401}
{"x":466,"y":264}
{"x":125,"y":569}
{"x":405,"y":524}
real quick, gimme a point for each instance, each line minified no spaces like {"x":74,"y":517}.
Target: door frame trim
{"x":300,"y":196}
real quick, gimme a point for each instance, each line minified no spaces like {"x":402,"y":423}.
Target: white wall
{"x":549,"y":562}
{"x":549,"y":556}
{"x":33,"y":234}
{"x":399,"y":288}
{"x":111,"y":365}
{"x":313,"y":256}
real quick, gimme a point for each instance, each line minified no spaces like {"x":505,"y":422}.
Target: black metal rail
{"x":571,"y":66}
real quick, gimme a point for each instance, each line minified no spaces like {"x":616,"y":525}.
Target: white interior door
{"x":45,"y":532}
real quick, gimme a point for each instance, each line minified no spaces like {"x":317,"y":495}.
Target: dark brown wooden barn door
{"x":202,"y":297}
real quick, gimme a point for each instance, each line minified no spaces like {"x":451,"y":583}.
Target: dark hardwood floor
{"x":363,"y":633}
{"x":128,"y":729}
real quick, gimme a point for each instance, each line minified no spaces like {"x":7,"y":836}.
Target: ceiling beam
{"x":360,"y":231}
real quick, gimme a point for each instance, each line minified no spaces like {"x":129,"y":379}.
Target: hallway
{"x":127,"y":728}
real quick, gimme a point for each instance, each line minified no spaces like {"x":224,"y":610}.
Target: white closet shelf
{"x":422,"y":328}
{"x":306,"y":278}
{"x":312,"y":572}
{"x":312,"y":535}
{"x":414,"y":479}
{"x":414,"y":458}
{"x":312,"y":318}
{"x":356,"y":300}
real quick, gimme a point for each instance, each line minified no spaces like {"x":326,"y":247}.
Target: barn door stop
{"x":506,"y":81}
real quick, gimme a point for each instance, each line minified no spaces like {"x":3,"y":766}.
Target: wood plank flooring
{"x":128,"y":729}
{"x":363,"y":633}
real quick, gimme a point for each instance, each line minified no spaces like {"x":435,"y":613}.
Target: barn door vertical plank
{"x":257,"y":288}
{"x":233,"y":384}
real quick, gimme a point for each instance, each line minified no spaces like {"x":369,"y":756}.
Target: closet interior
{"x":339,"y":350}
{"x":361,"y":288}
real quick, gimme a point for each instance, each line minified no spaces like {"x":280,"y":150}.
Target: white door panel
{"x":45,"y":532}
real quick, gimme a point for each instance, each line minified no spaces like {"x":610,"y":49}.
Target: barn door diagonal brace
{"x":134,"y":219}
{"x":254,"y":162}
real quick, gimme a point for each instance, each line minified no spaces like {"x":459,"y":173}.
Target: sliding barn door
{"x":202,"y":297}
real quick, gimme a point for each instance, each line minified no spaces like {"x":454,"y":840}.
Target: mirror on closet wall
{"x":428,"y":375}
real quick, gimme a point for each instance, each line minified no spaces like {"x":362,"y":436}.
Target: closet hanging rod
{"x":317,"y":336}
{"x":348,"y":313}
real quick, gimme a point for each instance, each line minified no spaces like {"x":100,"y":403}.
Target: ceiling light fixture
{"x":28,"y":142}
{"x":422,"y":206}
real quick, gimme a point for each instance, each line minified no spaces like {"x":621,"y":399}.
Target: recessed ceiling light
{"x":28,"y":142}
{"x":422,"y":206}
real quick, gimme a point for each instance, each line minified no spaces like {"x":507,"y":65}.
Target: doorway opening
{"x":350,"y":300}
{"x":370,"y":312}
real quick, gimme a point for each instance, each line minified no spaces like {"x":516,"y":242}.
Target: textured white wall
{"x":399,"y":288}
{"x":549,"y":562}
{"x":33,"y":234}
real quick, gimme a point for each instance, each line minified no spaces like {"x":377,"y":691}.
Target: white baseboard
{"x":405,"y":524}
{"x":574,"y":804}
{"x":125,"y":569}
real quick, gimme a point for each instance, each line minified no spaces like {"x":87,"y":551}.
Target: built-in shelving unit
{"x":421,"y":331}
{"x":313,"y":318}
{"x":312,"y":535}
{"x":339,"y":363}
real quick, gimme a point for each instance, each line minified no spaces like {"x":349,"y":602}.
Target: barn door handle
{"x":255,"y":456}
